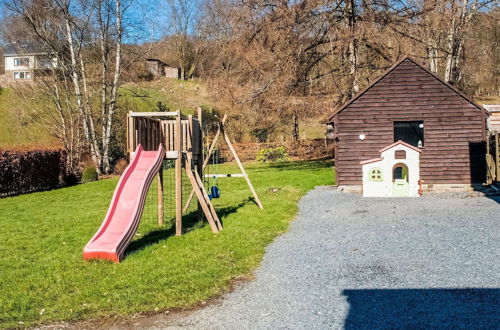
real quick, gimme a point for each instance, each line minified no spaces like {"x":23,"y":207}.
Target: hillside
{"x":19,"y":128}
{"x":17,"y":125}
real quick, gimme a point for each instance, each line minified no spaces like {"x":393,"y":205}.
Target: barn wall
{"x":453,"y":127}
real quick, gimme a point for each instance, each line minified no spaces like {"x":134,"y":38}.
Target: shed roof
{"x":357,"y":96}
{"x":160,"y":62}
{"x":23,"y":48}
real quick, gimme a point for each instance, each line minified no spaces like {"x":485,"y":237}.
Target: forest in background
{"x":271,"y":65}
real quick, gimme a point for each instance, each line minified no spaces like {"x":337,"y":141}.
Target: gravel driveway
{"x":349,"y":262}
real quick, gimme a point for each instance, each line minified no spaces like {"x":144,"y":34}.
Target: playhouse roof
{"x":357,"y":96}
{"x":400,"y":143}
{"x":373,"y":160}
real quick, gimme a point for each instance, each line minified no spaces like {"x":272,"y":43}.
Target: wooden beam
{"x":497,"y":156}
{"x":214,"y":142}
{"x":210,"y":205}
{"x":161,"y":213}
{"x":154,"y":114}
{"x":178,"y":176}
{"x":242,"y":169}
{"x":237,"y":175}
{"x":204,"y":202}
{"x":200,"y":159}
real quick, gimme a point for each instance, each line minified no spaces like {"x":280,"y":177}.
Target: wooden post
{"x":161,"y":214}
{"x":178,"y":175}
{"x":210,"y":205}
{"x":489,"y":175}
{"x":200,"y":160}
{"x":202,"y":198}
{"x":242,"y":169}
{"x":497,"y":156}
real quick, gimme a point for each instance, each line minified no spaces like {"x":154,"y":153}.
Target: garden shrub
{"x":28,"y":170}
{"x":277,"y":154}
{"x":89,"y":174}
{"x":70,"y":180}
{"x":120,"y":166}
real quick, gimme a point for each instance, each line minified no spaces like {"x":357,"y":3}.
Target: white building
{"x":396,"y":173}
{"x":494,"y":119}
{"x":23,"y":61}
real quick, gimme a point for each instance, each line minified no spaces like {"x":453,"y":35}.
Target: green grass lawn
{"x":43,"y":278}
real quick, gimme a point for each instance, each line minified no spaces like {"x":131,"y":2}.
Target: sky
{"x":148,"y":20}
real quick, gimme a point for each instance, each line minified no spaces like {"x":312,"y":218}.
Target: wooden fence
{"x":150,"y":132}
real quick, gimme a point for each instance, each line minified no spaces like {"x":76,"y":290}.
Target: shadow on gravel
{"x":423,"y":309}
{"x":496,"y":198}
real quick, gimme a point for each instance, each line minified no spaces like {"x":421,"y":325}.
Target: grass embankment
{"x":44,"y":279}
{"x":21,"y":122}
{"x":19,"y":127}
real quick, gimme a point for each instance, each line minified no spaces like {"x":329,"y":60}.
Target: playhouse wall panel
{"x":453,"y":127}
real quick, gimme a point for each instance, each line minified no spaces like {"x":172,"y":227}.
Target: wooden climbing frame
{"x":182,"y":140}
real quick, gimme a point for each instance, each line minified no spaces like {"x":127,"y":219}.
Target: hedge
{"x":25,"y":171}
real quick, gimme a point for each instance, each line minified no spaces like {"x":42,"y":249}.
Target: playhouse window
{"x":411,"y":132}
{"x":375,"y":174}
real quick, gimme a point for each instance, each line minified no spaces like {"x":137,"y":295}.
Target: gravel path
{"x":349,"y":262}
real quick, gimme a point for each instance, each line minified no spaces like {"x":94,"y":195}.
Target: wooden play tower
{"x":182,"y":139}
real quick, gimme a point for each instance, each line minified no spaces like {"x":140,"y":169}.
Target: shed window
{"x":375,"y":174}
{"x":411,"y":132}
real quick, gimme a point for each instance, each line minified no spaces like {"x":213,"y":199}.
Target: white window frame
{"x":18,"y":61}
{"x":22,"y":75}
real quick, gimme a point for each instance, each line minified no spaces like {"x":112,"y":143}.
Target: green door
{"x":400,"y":186}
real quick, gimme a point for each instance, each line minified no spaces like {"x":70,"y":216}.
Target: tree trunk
{"x":432,"y":54}
{"x":353,"y":47}
{"x":76,"y":85}
{"x":114,"y":89}
{"x":295,"y":126}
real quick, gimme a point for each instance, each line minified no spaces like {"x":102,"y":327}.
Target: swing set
{"x":212,"y":179}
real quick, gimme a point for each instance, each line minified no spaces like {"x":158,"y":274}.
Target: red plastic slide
{"x":126,"y":207}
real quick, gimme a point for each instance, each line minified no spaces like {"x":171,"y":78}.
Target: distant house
{"x":494,"y":119}
{"x":23,"y":61}
{"x":410,"y":106}
{"x":159,"y":69}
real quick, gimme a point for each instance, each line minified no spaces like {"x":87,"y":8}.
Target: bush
{"x":70,"y":180}
{"x":89,"y":174}
{"x":278,"y":154}
{"x":24,"y":170}
{"x":120,"y":166}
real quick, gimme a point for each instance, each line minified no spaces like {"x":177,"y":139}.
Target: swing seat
{"x":215,"y":192}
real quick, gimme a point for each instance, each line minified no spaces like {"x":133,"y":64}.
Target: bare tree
{"x":183,"y":17}
{"x":87,"y":37}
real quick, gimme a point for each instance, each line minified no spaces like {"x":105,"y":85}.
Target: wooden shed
{"x":408,"y":103}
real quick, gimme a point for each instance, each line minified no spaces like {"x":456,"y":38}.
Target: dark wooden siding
{"x":453,"y":127}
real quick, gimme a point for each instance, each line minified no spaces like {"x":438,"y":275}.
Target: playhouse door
{"x":400,"y":186}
